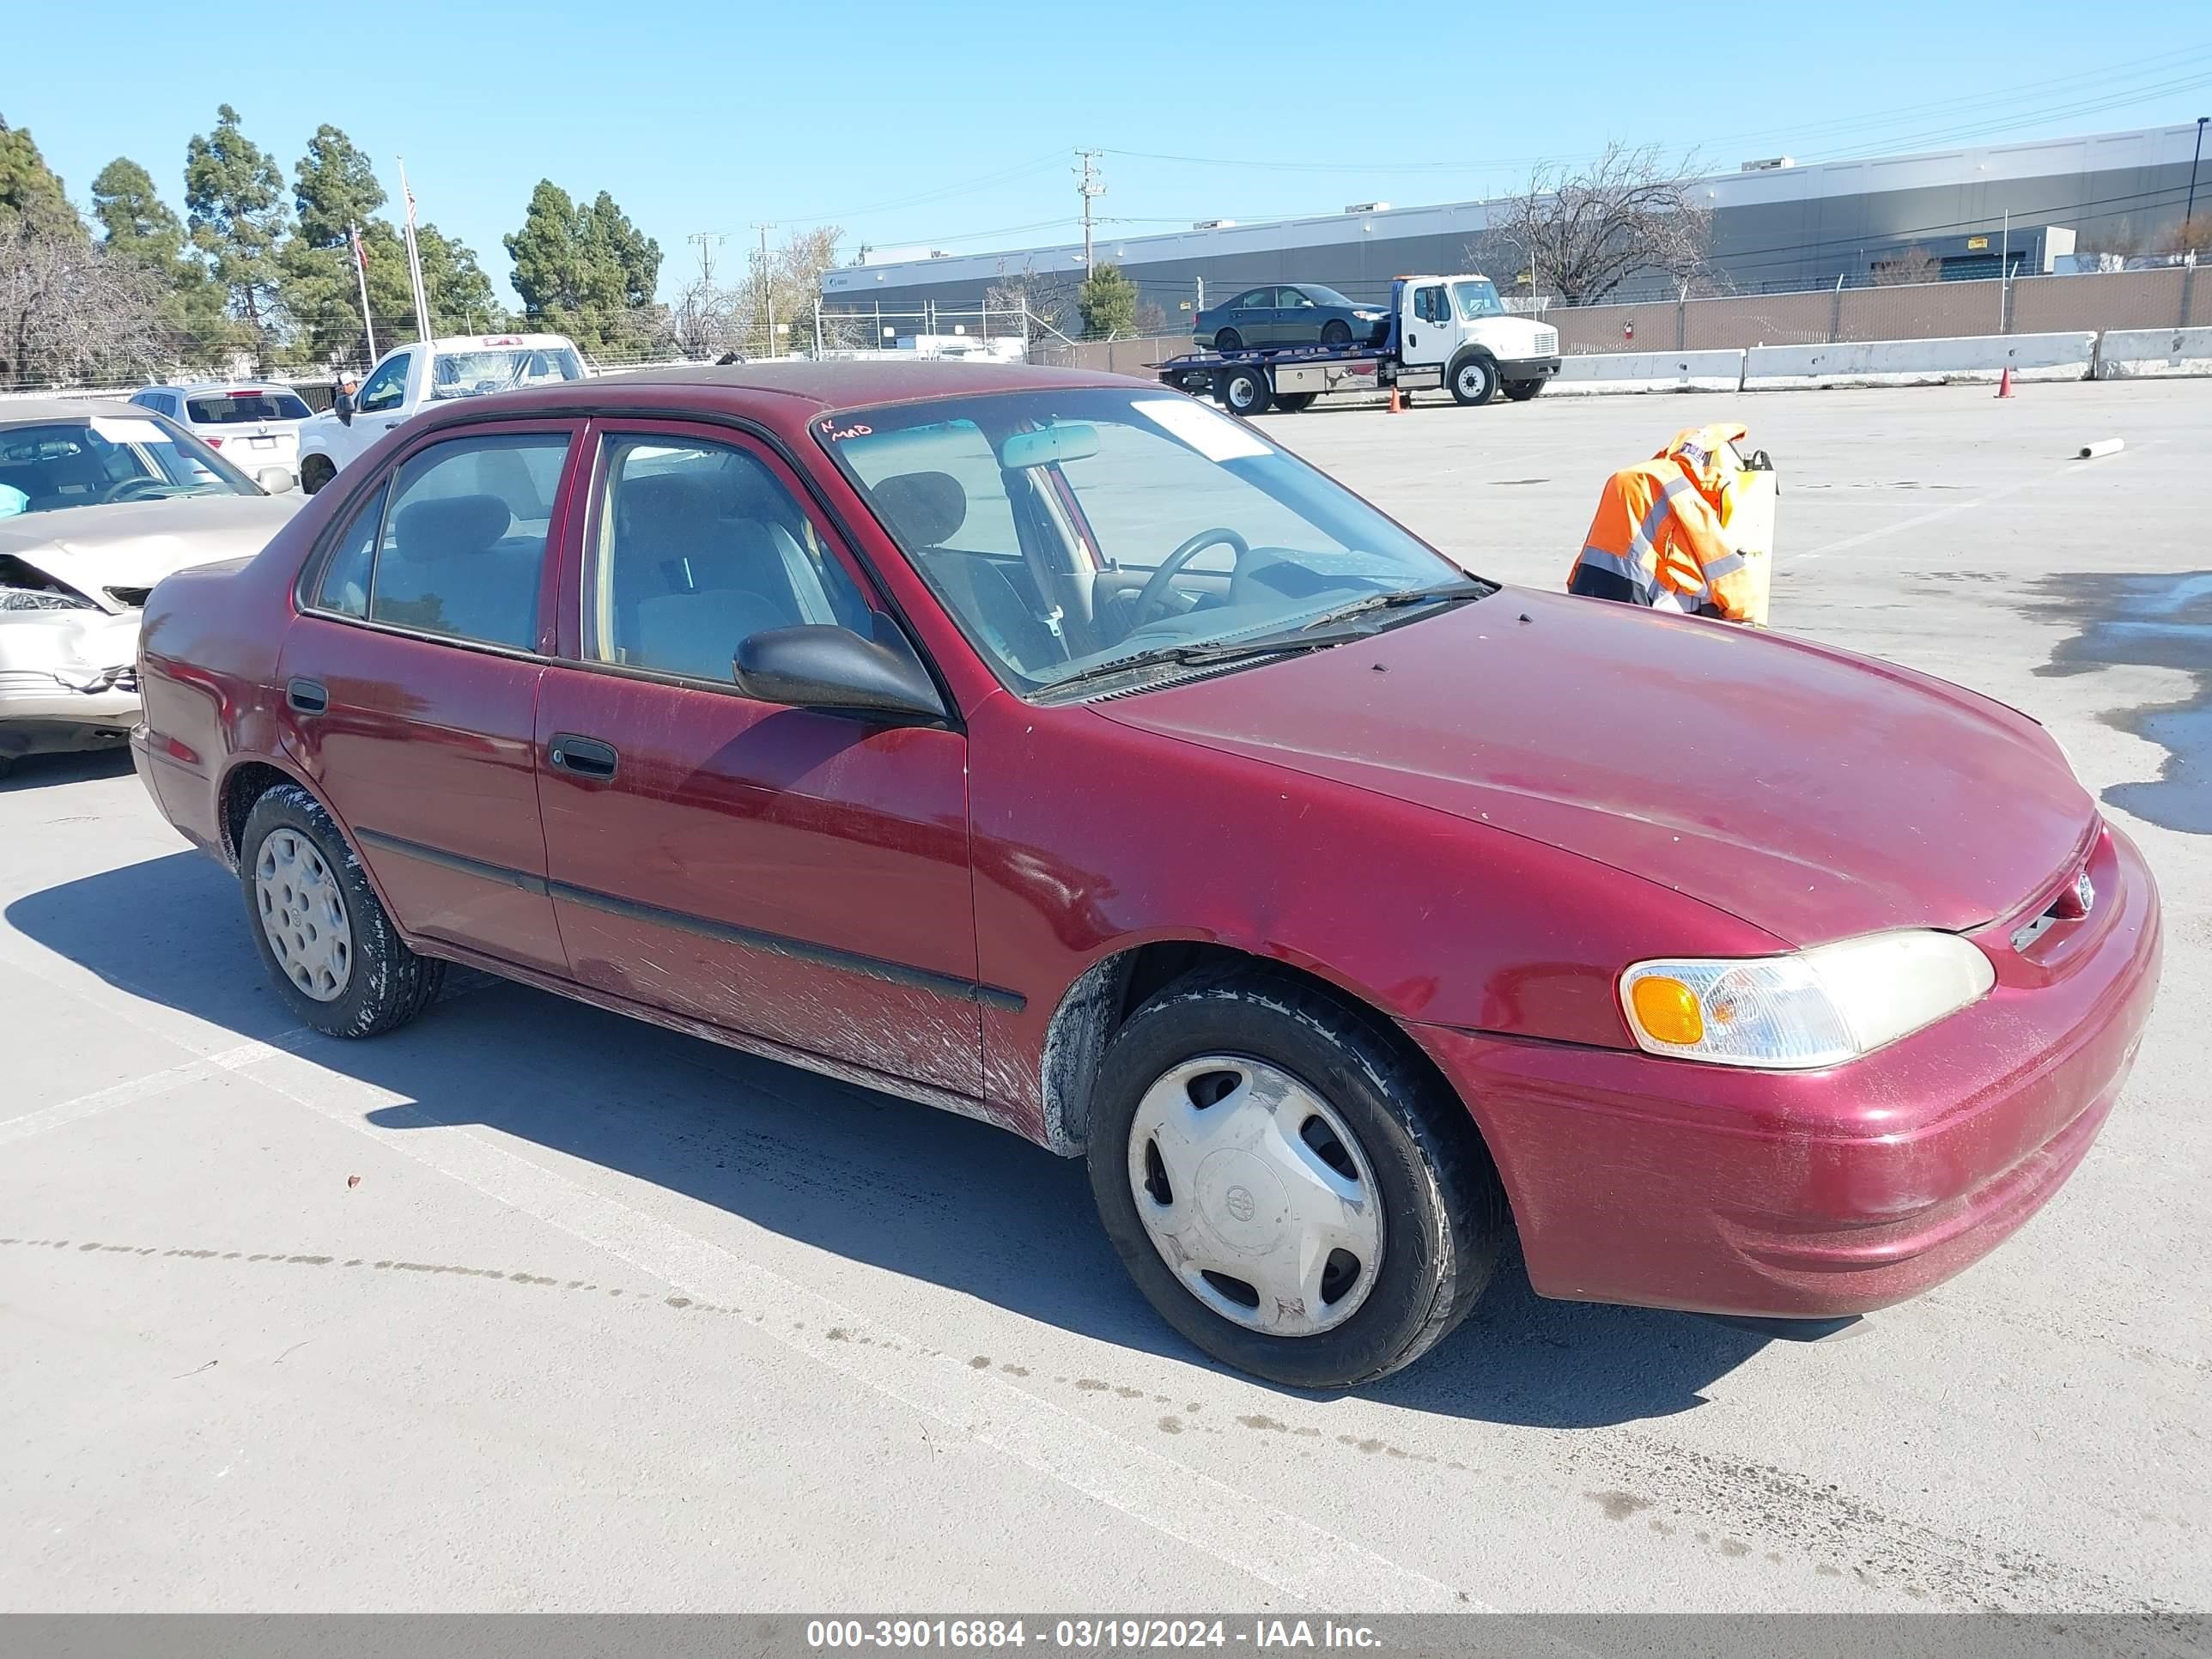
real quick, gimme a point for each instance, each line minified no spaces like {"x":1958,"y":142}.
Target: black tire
{"x":1229,"y":340}
{"x":1295,"y":402}
{"x":1521,"y":390}
{"x":315,"y":472}
{"x":1473,"y":379}
{"x":386,"y":984}
{"x":1444,"y":1212}
{"x":1336,"y":332}
{"x":1244,"y":390}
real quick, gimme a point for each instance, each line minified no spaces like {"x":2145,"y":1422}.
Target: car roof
{"x":800,"y":388}
{"x":33,"y":411}
{"x":201,"y":388}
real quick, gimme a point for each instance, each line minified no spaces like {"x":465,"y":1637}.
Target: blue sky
{"x":955,"y":126}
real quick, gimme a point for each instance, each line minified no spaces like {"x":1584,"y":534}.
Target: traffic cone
{"x":1397,"y":403}
{"x":2004,"y":382}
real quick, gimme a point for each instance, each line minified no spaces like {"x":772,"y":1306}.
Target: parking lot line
{"x":2068,"y":470}
{"x":144,"y":1088}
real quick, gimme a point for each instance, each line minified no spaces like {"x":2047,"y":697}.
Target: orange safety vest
{"x":1657,"y":541}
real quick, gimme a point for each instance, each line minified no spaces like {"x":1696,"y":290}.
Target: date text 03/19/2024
{"x":1087,"y":1635}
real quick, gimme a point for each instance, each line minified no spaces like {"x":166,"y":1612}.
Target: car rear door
{"x":411,"y":680}
{"x":798,"y":875}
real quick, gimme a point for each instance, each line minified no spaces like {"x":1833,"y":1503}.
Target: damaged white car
{"x":98,"y":502}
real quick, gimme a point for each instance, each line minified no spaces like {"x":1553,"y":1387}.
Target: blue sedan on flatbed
{"x":1286,"y":314}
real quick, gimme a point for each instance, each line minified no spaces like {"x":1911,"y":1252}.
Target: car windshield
{"x":1324,"y":296}
{"x":1083,"y":534}
{"x":228,"y":408}
{"x":51,"y":465}
{"x":1478,"y":299}
{"x":472,"y":374}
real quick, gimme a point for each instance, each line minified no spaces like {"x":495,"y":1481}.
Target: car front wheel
{"x":315,"y":472}
{"x":1336,"y":332}
{"x":326,"y":941}
{"x":1288,"y":1190}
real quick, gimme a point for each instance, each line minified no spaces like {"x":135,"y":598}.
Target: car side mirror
{"x":816,"y":665}
{"x":276,"y":479}
{"x":342,"y":406}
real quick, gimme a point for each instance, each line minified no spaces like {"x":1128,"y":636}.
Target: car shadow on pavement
{"x":45,"y":771}
{"x":871,"y":1178}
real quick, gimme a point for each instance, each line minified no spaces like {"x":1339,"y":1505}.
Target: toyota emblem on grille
{"x":2085,"y":892}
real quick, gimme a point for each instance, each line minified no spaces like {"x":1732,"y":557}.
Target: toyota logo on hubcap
{"x":1237,"y":1200}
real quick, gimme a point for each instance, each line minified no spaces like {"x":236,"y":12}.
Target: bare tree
{"x":69,"y":311}
{"x":1586,"y":230}
{"x":1046,"y":303}
{"x":705,"y":317}
{"x":2194,"y":235}
{"x":783,"y":287}
{"x":1915,"y":264}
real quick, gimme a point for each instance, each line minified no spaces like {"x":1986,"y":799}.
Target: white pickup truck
{"x":408,"y":379}
{"x":1452,"y":332}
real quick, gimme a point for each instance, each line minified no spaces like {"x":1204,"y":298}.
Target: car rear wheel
{"x":1295,"y":402}
{"x":1336,"y":332}
{"x":325,"y":938}
{"x":1521,"y":390}
{"x":1474,"y":379}
{"x":315,"y":472}
{"x":1287,"y":1189}
{"x":1229,"y":340}
{"x":1244,"y":390}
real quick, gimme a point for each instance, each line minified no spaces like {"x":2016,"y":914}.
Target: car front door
{"x":410,"y":682}
{"x":1297,"y":319}
{"x":793,"y":874}
{"x":381,"y":406}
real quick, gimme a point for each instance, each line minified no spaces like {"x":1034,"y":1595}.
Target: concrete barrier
{"x":1651,"y":371}
{"x":2128,"y":354}
{"x":2068,"y":356}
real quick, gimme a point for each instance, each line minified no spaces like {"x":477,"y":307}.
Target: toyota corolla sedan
{"x":1286,"y":315}
{"x":1052,"y":749}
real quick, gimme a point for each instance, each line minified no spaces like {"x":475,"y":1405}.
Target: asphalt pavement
{"x":530,"y":1306}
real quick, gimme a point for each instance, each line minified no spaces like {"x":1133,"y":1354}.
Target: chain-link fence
{"x":2176,"y":296}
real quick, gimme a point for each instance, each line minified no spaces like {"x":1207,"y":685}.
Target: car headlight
{"x":1817,"y":1007}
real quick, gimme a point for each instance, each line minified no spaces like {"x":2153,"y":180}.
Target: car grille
{"x":136,"y":598}
{"x":1547,"y":341}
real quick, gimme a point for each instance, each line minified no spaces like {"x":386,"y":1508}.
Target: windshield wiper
{"x":1459,"y":589}
{"x":1200,"y":655}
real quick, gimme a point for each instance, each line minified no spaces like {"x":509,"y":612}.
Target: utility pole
{"x":2190,"y":212}
{"x":705,"y":241}
{"x":767,"y":295}
{"x":1090,"y":186}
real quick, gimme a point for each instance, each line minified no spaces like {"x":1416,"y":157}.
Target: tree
{"x":1108,"y":302}
{"x":2194,"y":235}
{"x":139,"y":228}
{"x":1045,"y":301}
{"x":29,"y":190}
{"x":570,"y":267}
{"x":1590,"y":229}
{"x":787,"y":284}
{"x":334,"y":186}
{"x":234,"y":197}
{"x":612,"y":245}
{"x":1915,"y":264}
{"x":70,"y":308}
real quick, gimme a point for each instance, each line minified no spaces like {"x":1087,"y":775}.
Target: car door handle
{"x":306,"y":696}
{"x":586,"y":757}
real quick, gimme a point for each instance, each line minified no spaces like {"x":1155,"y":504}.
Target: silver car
{"x":256,"y":425}
{"x":98,"y":502}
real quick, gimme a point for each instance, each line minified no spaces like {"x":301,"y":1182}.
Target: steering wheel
{"x":131,"y":489}
{"x":1153,"y":595}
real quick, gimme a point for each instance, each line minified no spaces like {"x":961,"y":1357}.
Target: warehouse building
{"x":1777,"y":226}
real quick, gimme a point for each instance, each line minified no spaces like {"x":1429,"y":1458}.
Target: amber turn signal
{"x":1668,"y":1010}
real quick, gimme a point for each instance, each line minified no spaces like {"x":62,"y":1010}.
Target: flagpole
{"x":415,"y":258}
{"x":361,"y":270}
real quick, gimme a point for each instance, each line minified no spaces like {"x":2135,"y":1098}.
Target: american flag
{"x":360,"y":255}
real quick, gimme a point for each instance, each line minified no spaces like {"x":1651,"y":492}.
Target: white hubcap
{"x":303,"y":915}
{"x":1256,"y":1194}
{"x":1473,"y":379}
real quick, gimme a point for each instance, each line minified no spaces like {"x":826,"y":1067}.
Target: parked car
{"x":1053,"y":749}
{"x":259,"y":423}
{"x":98,"y":502}
{"x":1286,"y":315}
{"x":414,"y":377}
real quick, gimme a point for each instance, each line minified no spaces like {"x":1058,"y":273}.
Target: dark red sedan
{"x":1052,"y":749}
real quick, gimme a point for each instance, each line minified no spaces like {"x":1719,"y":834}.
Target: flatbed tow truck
{"x":1451,"y":332}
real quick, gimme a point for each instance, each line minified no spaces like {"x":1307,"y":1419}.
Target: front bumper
{"x":1526,"y":368}
{"x":1668,"y":1183}
{"x":69,"y":680}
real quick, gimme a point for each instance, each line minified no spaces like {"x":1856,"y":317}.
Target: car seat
{"x":924,"y":510}
{"x":451,"y":569}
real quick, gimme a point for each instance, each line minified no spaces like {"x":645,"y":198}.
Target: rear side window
{"x":227,"y":408}
{"x":455,"y":544}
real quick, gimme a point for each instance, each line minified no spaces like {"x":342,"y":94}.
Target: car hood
{"x":133,"y":544}
{"x":1811,"y":793}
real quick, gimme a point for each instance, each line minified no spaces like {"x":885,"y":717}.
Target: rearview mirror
{"x":815,"y":665}
{"x":1072,"y":441}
